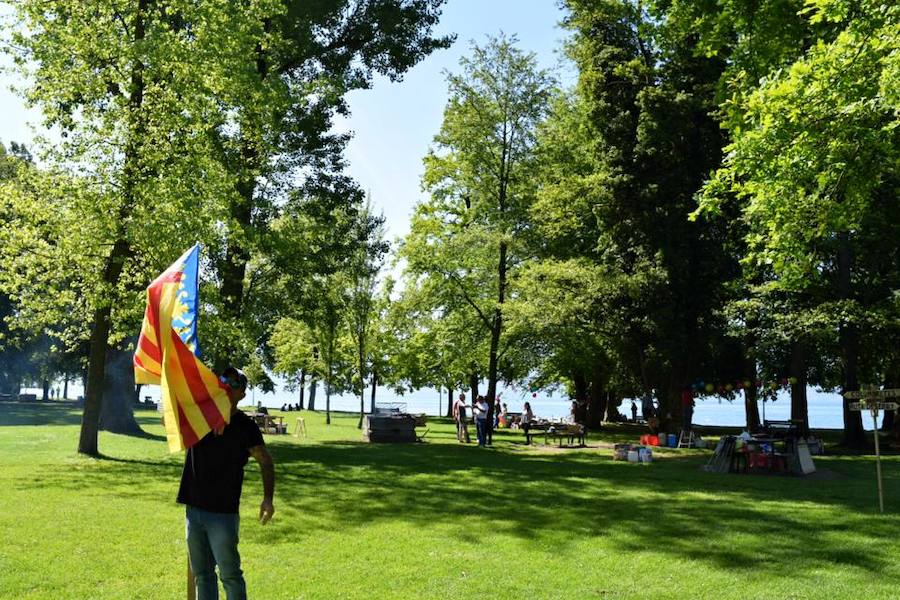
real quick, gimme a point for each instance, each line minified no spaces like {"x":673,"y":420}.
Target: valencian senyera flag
{"x":167,"y":354}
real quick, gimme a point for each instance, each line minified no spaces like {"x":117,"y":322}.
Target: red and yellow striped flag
{"x":194,"y":400}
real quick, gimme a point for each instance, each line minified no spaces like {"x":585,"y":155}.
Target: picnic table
{"x":781,"y":454}
{"x":268,"y":423}
{"x":571,"y":432}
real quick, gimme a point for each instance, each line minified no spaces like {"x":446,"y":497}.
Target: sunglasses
{"x":232,"y":382}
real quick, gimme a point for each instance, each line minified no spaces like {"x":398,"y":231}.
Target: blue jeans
{"x":481,"y":430}
{"x":212,"y":539}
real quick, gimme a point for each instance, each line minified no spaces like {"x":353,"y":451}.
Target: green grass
{"x":440,"y":520}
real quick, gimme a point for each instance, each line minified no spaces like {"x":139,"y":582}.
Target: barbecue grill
{"x":391,"y":423}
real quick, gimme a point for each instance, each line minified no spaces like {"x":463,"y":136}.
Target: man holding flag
{"x":211,"y":491}
{"x":200,"y":415}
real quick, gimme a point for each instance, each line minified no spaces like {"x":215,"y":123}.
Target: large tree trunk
{"x":234,"y":268}
{"x":799,"y":405}
{"x":473,"y":385}
{"x":613,"y":402}
{"x":65,"y":393}
{"x":449,"y":402}
{"x":597,"y":398}
{"x":580,"y":384}
{"x":121,"y":249}
{"x":96,"y":373}
{"x":887,"y":423}
{"x":751,"y":404}
{"x":854,"y":435}
{"x":302,"y":388}
{"x":232,"y":272}
{"x":496,"y":330}
{"x":362,"y":382}
{"x":313,"y":384}
{"x":45,"y":389}
{"x":117,"y":411}
{"x":751,"y":407}
{"x":374,"y":387}
{"x":670,"y":403}
{"x":327,"y":403}
{"x":329,"y":382}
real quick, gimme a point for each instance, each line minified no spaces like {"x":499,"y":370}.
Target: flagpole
{"x":191,"y":584}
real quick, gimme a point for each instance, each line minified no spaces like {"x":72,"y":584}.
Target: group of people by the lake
{"x":290,"y":407}
{"x":502,"y":418}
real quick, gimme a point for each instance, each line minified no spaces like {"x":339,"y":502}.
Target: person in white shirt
{"x":481,"y":410}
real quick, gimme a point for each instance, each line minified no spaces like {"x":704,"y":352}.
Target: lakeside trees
{"x":813,"y":160}
{"x":780,"y":120}
{"x":714,"y":200}
{"x":175,"y":127}
{"x":466,"y":238}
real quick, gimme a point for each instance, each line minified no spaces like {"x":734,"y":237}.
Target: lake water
{"x":824,"y":407}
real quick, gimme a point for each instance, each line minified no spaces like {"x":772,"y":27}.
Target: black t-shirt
{"x":214,"y":467}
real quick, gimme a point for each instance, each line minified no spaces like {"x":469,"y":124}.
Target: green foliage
{"x":124,"y":86}
{"x":466,"y":240}
{"x":279,"y":83}
{"x":622,"y":158}
{"x":816,"y":168}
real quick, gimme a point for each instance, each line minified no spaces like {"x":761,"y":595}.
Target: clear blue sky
{"x":393,"y":123}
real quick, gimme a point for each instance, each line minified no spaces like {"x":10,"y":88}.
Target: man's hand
{"x":266,"y":510}
{"x":262,"y":456}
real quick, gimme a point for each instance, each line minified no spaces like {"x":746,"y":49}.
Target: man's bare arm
{"x":267,"y":467}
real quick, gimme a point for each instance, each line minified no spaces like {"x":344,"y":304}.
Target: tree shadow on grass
{"x":780,"y":526}
{"x":669,"y":507}
{"x":22,"y":414}
{"x":39,"y":413}
{"x":145,"y":435}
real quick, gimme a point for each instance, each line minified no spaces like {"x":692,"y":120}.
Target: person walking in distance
{"x":210,"y":489}
{"x":527,"y":418}
{"x":459,"y":415}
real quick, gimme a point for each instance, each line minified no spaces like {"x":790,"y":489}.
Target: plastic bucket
{"x":633,"y":456}
{"x":673,"y":441}
{"x":646,"y":455}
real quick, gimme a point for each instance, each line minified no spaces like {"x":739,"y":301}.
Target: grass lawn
{"x":440,"y":520}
